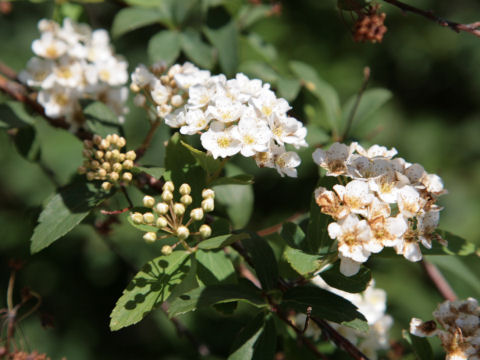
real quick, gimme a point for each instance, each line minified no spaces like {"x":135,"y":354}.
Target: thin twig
{"x":7,"y":71}
{"x":140,"y":151}
{"x":115,"y":212}
{"x":124,"y":191}
{"x":439,"y":281}
{"x":275,"y":228}
{"x":351,"y":117}
{"x":473,"y":28}
{"x":307,"y":319}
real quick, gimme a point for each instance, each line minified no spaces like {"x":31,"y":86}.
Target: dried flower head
{"x":370,"y":25}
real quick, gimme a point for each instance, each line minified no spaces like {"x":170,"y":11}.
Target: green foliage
{"x":164,"y":46}
{"x":64,"y":211}
{"x":132,"y":18}
{"x":421,"y":346}
{"x":221,"y":241}
{"x":101,"y":120}
{"x":196,"y":49}
{"x":149,"y":288}
{"x":301,"y":262}
{"x":225,"y":40}
{"x":214,"y":267}
{"x":353,"y":284}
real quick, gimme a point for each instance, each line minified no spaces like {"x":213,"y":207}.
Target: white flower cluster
{"x":73,"y":63}
{"x":388,"y":203}
{"x":233,"y":116}
{"x":372,"y":304}
{"x":460,"y":335}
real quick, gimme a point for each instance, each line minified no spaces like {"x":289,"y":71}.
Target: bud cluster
{"x":386,"y":202}
{"x":370,"y":26}
{"x":168,"y":215}
{"x":106,"y":161}
{"x":460,"y":335}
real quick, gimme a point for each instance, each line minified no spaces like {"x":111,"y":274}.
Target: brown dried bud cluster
{"x":370,"y":26}
{"x":105,"y":160}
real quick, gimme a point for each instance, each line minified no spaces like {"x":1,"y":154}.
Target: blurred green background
{"x":433,"y":119}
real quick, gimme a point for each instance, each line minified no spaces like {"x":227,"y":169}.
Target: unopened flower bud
{"x":97,"y":139}
{"x":94,"y":164}
{"x":196,"y":214}
{"x":183,"y":232}
{"x":127,"y":164}
{"x":115,"y":154}
{"x":121,"y":142}
{"x":137,"y":218}
{"x":108,"y":155}
{"x":168,"y":186}
{"x":148,"y":218}
{"x":161,"y":222}
{"x":150,"y":237}
{"x":102,"y":173}
{"x":161,"y":208}
{"x":134,"y":87}
{"x":113,"y":176}
{"x":106,"y":166}
{"x":99,"y":154}
{"x":186,"y":200}
{"x":208,"y":205}
{"x":167,"y":195}
{"x":130,"y":155}
{"x":176,"y":100}
{"x":205,"y":231}
{"x":185,"y":189}
{"x":148,"y":201}
{"x":127,"y":177}
{"x":208,"y":194}
{"x":82,"y":170}
{"x":113,"y":139}
{"x":179,"y":209}
{"x":86,"y":153}
{"x":87,"y":144}
{"x":167,"y":250}
{"x":104,"y":144}
{"x":106,"y":185}
{"x":121,"y":157}
{"x":117,"y":167}
{"x":90,"y":175}
{"x":139,"y":100}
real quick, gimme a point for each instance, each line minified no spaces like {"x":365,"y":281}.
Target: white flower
{"x":199,"y":96}
{"x":409,"y":201}
{"x":267,"y":104}
{"x":225,"y":111}
{"x":356,"y":196}
{"x":37,"y":71}
{"x":57,"y":101}
{"x":334,"y":159}
{"x":286,"y":163}
{"x":48,"y":46}
{"x":254,"y":136}
{"x":221,"y":141}
{"x":375,"y":151}
{"x":160,"y":93}
{"x":409,"y":248}
{"x":195,"y":121}
{"x":142,"y":76}
{"x":112,"y":71}
{"x":175,"y":119}
{"x":288,"y":130}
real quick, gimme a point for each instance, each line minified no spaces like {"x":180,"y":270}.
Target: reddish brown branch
{"x":275,"y":228}
{"x":7,"y":71}
{"x":439,"y":281}
{"x":148,"y":139}
{"x":473,"y":28}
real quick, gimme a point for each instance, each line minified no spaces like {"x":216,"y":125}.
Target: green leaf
{"x":164,"y":46}
{"x":221,"y":241}
{"x":27,"y":143}
{"x":352,"y":284}
{"x":215,"y":294}
{"x":421,"y":346}
{"x":288,"y":88}
{"x":456,"y":245}
{"x":188,"y":283}
{"x":101,"y":119}
{"x":325,"y":305}
{"x":15,"y":114}
{"x":196,"y":50}
{"x":266,"y":345}
{"x":349,"y":5}
{"x":263,"y":259}
{"x":293,"y":234}
{"x":235,"y":200}
{"x":149,"y":288}
{"x":145,"y":3}
{"x":217,"y":267}
{"x":321,"y":89}
{"x":65,"y":211}
{"x":245,"y":341}
{"x":370,"y":102}
{"x":225,"y":40}
{"x":301,"y":262}
{"x":242,"y":179}
{"x":156,"y":172}
{"x":259,"y":69}
{"x":141,"y":227}
{"x":250,"y":14}
{"x":132,"y":18}
{"x":265,"y":50}
{"x":207,"y":162}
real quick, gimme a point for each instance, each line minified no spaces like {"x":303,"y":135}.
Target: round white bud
{"x":183,"y":232}
{"x":162,"y":208}
{"x":106,"y":185}
{"x":94,"y":164}
{"x":166,"y":250}
{"x":134,"y":87}
{"x":113,"y":138}
{"x":127,"y":177}
{"x":177,"y":100}
{"x":121,"y":142}
{"x":208,"y":194}
{"x":148,"y":218}
{"x":208,"y":205}
{"x":121,"y":157}
{"x":107,"y":166}
{"x":127,"y":164}
{"x":113,"y":176}
{"x":88,"y":144}
{"x":150,"y":236}
{"x":131,"y":155}
{"x":148,"y":201}
{"x":185,"y":189}
{"x":168,"y":186}
{"x":99,"y":154}
{"x":179,"y":209}
{"x":137,"y":218}
{"x":161,"y":222}
{"x":196,"y":214}
{"x":186,"y":200}
{"x":117,"y":167}
{"x":167,"y":195}
{"x":90,"y":175}
{"x":97,"y":139}
{"x":108,"y":155}
{"x":102,"y":173}
{"x":115,"y":154}
{"x":205,"y":231}
{"x":104,"y":144}
{"x":86,"y":153}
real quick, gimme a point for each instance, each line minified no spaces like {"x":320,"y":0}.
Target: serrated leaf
{"x":242,"y":179}
{"x":225,"y":40}
{"x":65,"y":211}
{"x":301,"y":262}
{"x":133,"y":18}
{"x":293,"y":234}
{"x":421,"y":346}
{"x":325,"y":305}
{"x":263,"y":259}
{"x":455,"y":245}
{"x":164,"y":46}
{"x":217,"y":267}
{"x":197,"y":50}
{"x":221,"y":241}
{"x":321,"y":89}
{"x":352,"y":284}
{"x":215,"y":294}
{"x":149,"y":288}
{"x":207,"y":162}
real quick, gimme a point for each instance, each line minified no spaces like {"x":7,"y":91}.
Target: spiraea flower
{"x":168,"y":217}
{"x":239,"y":115}
{"x":72,"y":63}
{"x":105,"y":160}
{"x":372,"y":304}
{"x":457,"y":324}
{"x":386,"y":202}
